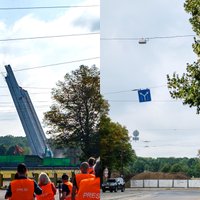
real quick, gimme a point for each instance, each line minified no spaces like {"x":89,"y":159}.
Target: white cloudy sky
{"x":21,"y":54}
{"x":166,"y":127}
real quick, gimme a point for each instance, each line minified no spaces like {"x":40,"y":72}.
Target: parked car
{"x":114,"y":184}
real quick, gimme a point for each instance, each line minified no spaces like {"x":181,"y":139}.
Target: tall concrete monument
{"x":29,"y":119}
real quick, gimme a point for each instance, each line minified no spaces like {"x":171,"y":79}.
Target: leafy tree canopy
{"x":73,"y":120}
{"x":188,"y":166}
{"x":116,"y":151}
{"x":8,"y":144}
{"x":10,"y":140}
{"x":186,"y":87}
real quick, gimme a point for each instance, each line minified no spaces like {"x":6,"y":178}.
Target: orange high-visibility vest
{"x":80,"y":177}
{"x":69,"y":196}
{"x":91,"y":170}
{"x":47,"y":192}
{"x":22,"y":189}
{"x":89,"y":189}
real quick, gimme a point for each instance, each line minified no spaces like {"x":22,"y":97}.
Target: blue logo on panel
{"x":144,"y":95}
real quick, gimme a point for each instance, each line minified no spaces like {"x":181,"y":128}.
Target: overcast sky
{"x":166,"y":127}
{"x":22,"y":54}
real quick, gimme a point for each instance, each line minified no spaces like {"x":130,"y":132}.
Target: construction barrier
{"x":162,"y":183}
{"x":34,"y":161}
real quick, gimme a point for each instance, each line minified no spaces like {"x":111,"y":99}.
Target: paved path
{"x":153,"y":194}
{"x":146,"y":194}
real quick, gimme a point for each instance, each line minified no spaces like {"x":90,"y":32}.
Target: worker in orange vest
{"x":78,"y":177}
{"x":22,"y":187}
{"x":89,"y":189}
{"x":91,"y":162}
{"x":66,"y":191}
{"x":48,"y":188}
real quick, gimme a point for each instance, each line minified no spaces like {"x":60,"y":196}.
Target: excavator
{"x":18,"y":150}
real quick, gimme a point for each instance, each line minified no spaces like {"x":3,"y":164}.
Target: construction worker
{"x":78,"y":177}
{"x":22,"y":187}
{"x":48,"y":188}
{"x":91,"y":162}
{"x":66,"y":188}
{"x":89,"y":189}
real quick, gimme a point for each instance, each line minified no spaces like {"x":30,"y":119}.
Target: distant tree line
{"x":8,"y":145}
{"x":189,"y":166}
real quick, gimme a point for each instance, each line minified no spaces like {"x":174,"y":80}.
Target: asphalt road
{"x":153,"y":194}
{"x":146,"y":194}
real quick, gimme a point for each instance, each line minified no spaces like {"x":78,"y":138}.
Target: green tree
{"x":3,"y":149}
{"x":177,"y":168}
{"x":186,"y":87}
{"x":192,"y":161}
{"x":73,"y":120}
{"x":166,"y":168}
{"x":116,"y":151}
{"x":10,"y":150}
{"x":139,"y":165}
{"x":10,"y":140}
{"x":196,"y":171}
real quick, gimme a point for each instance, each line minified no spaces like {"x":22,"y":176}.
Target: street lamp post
{"x":122,"y":165}
{"x":105,"y":172}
